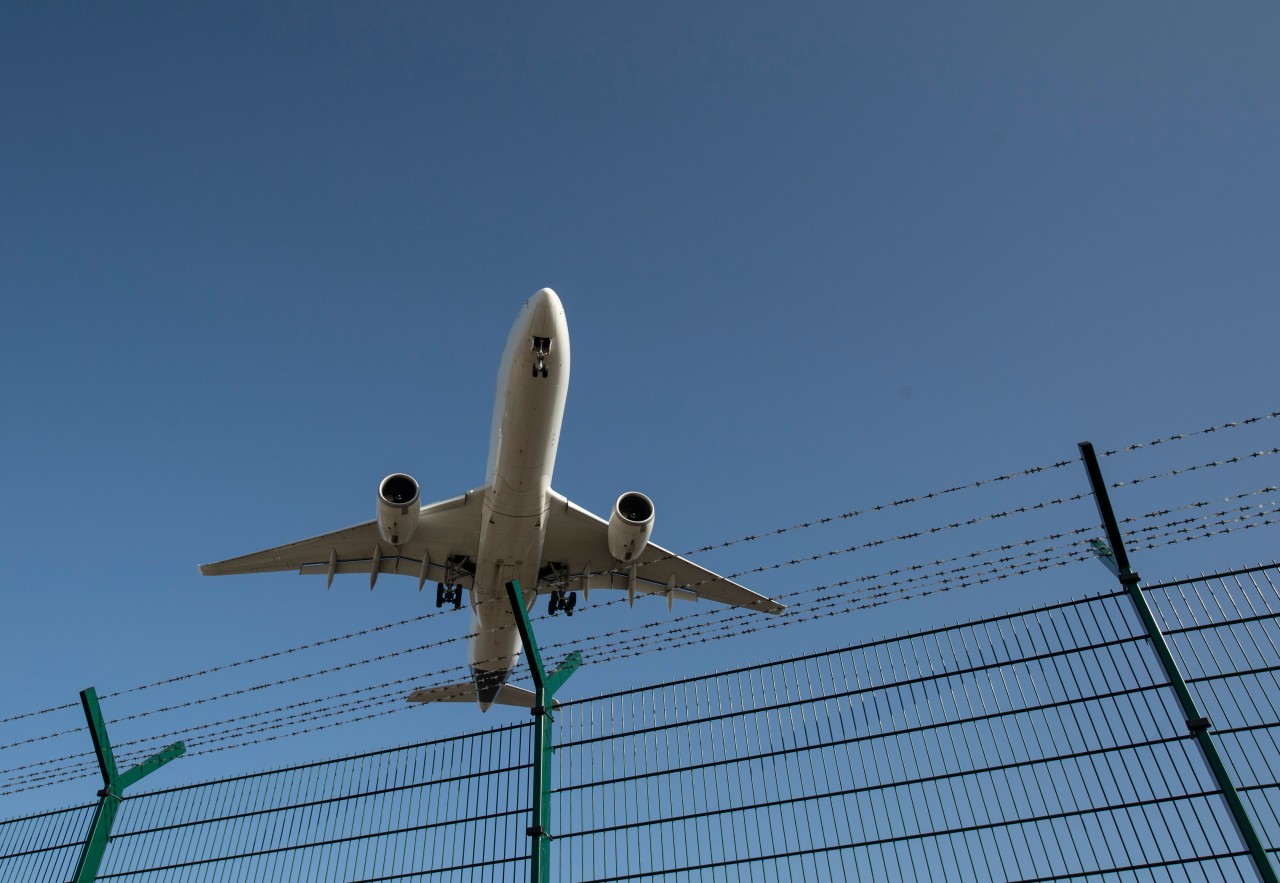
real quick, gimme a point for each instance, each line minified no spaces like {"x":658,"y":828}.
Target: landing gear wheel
{"x":439,"y":594}
{"x":570,"y":603}
{"x":544,"y":371}
{"x":535,"y":370}
{"x":457,"y":597}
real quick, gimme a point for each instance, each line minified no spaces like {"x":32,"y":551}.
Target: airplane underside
{"x":515,"y":527}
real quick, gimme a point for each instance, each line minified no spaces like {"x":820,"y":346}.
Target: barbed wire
{"x":451,"y":639}
{"x":1033,"y":470}
{"x":829,"y":607}
{"x":1212,"y":464}
{"x":633,"y":645}
{"x":455,"y":638}
{"x":1208,"y":430}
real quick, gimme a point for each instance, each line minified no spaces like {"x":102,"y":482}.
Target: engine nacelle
{"x":630,"y":525}
{"x":397,"y":508}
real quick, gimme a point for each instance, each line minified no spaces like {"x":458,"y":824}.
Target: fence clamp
{"x":1197,"y":724}
{"x":538,"y":831}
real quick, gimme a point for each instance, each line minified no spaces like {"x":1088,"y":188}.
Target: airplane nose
{"x":544,"y":311}
{"x":545,"y":297}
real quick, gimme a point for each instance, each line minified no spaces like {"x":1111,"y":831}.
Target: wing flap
{"x":398,"y":564}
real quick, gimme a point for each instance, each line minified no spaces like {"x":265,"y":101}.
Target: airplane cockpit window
{"x":541,"y":346}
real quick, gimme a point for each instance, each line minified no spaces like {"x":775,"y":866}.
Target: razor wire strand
{"x":1033,"y":470}
{"x":829,"y":608}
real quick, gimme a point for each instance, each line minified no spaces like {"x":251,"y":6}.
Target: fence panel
{"x":453,"y":809}
{"x":1033,"y":746}
{"x":44,"y":846}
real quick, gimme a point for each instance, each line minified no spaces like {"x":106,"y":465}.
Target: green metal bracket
{"x":545,"y":687}
{"x":1103,"y":553}
{"x":1198,"y":725}
{"x":114,"y":783}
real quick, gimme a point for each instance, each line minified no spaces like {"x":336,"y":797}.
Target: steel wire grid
{"x":1038,"y":745}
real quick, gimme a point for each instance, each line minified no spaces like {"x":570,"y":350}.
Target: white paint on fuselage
{"x":527,"y":414}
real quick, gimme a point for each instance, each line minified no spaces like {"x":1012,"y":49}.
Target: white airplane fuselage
{"x":515,"y":527}
{"x":527,"y":413}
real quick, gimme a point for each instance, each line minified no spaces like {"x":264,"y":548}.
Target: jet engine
{"x":397,"y":508}
{"x":630,"y":525}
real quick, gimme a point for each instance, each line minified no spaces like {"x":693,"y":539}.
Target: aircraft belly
{"x":510,"y":549}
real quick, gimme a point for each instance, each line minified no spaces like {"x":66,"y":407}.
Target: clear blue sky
{"x":815,"y":257}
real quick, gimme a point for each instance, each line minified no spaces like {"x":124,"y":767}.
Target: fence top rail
{"x":391,"y":749}
{"x":48,"y":812}
{"x":1205,"y":577}
{"x":851,"y":648}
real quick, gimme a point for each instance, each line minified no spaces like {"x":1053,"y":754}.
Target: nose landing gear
{"x":541,"y":347}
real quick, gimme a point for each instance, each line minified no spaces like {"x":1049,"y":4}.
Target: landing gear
{"x":448,"y":595}
{"x":541,"y":347}
{"x":559,"y":600}
{"x":456,"y":568}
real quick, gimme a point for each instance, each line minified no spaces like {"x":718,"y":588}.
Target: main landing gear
{"x":561,"y":600}
{"x":448,"y":595}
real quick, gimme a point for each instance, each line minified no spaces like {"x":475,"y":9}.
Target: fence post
{"x":1197,"y":724}
{"x":545,"y":687}
{"x":112,"y":792}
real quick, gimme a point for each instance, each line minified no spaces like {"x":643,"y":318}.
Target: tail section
{"x":509,"y":694}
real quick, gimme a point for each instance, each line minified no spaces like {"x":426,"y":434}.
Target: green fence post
{"x":1197,"y":724}
{"x":112,"y":791}
{"x":545,"y":687}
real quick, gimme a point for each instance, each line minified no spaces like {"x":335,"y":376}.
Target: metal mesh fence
{"x":1038,"y":745}
{"x":43,"y":846}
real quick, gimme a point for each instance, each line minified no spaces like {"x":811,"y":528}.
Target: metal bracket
{"x":1196,"y":724}
{"x":111,"y":795}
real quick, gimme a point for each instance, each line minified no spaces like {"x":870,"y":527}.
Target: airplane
{"x":515,"y":527}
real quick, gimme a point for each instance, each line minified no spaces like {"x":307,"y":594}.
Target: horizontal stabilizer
{"x":466,"y":692}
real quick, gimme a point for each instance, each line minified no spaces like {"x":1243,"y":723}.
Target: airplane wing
{"x":579,"y":541}
{"x":448,"y":533}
